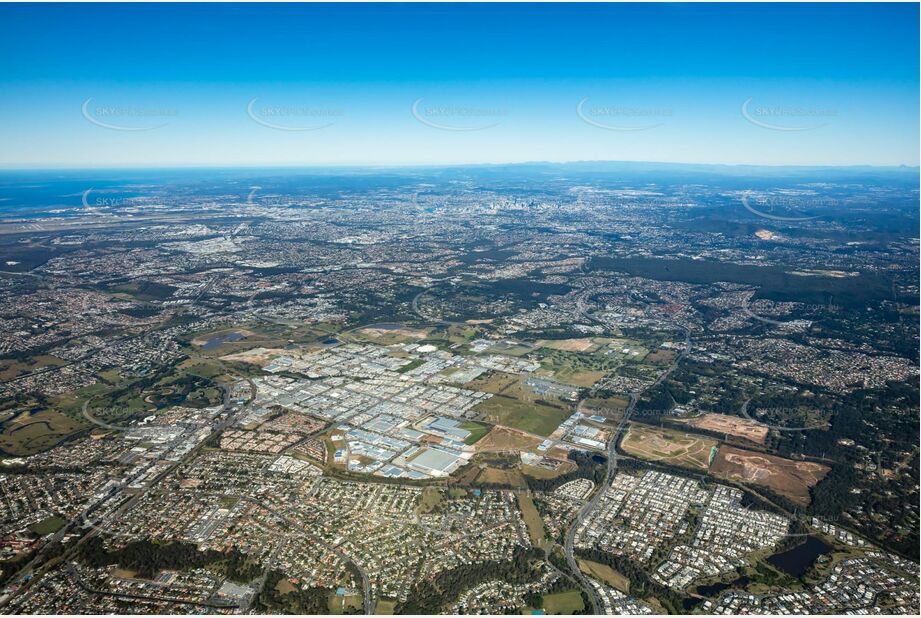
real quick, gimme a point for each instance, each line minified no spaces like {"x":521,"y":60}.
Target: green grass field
{"x":49,"y":525}
{"x":568,"y":602}
{"x":385,"y":607}
{"x":477,"y":431}
{"x":347,"y":604}
{"x":577,"y":369}
{"x":532,"y":520}
{"x":416,"y":362}
{"x":534,"y":418}
{"x":11,"y":368}
{"x":30,"y":434}
{"x":430,"y":500}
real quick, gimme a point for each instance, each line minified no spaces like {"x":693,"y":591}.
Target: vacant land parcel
{"x":669,"y":446}
{"x":537,"y":418}
{"x":732,"y":425}
{"x":785,"y":476}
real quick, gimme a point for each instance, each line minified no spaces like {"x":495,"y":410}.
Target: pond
{"x":714,"y":589}
{"x":219,"y":340}
{"x":797,"y":561}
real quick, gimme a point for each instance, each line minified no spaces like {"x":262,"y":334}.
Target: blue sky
{"x":163,"y":85}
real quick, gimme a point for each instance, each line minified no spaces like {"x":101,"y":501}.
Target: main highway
{"x":592,"y":505}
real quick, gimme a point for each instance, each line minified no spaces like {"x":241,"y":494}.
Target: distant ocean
{"x":32,"y":195}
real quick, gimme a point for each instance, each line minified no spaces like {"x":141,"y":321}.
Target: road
{"x":75,"y":577}
{"x":86,"y":414}
{"x":428,"y":319}
{"x":588,"y":508}
{"x":365,"y":580}
{"x":613,"y":456}
{"x":127,"y":329}
{"x":37,"y":562}
{"x":94,"y":351}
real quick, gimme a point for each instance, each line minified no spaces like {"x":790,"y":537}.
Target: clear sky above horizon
{"x":238,"y":84}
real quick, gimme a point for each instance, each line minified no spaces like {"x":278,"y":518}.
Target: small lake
{"x":797,"y":561}
{"x":718,"y":587}
{"x":219,"y":340}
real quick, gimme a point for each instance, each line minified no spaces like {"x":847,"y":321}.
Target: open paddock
{"x":505,"y":439}
{"x":569,"y":345}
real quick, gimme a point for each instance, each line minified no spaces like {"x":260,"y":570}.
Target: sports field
{"x":569,"y":345}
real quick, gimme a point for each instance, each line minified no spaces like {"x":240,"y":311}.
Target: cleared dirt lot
{"x":568,"y":345}
{"x":732,"y":425}
{"x":784,"y":476}
{"x":668,"y":446}
{"x":506,"y":439}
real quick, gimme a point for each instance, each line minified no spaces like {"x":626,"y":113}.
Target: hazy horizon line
{"x":173,"y":166}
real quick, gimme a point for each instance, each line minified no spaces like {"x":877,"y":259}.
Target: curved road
{"x":365,"y":581}
{"x":590,"y":506}
{"x":586,"y":510}
{"x":428,"y":319}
